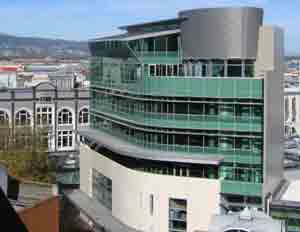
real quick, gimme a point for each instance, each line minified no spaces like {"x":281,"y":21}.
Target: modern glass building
{"x":186,"y":111}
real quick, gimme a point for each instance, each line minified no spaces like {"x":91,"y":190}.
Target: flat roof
{"x":259,"y":222}
{"x":110,"y":38}
{"x":96,"y":212}
{"x":278,"y":204}
{"x":135,"y":36}
{"x":152,"y":34}
{"x":125,"y":148}
{"x":292,"y":90}
{"x":152,"y":23}
{"x":292,"y":192}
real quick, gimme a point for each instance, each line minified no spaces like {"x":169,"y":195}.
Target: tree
{"x":24,"y":152}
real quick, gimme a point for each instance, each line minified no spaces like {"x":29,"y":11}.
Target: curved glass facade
{"x":145,"y":93}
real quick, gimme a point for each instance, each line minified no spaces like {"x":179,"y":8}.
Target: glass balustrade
{"x":247,"y":156}
{"x":188,"y":121}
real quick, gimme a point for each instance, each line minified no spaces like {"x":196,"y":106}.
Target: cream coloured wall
{"x":270,"y":51}
{"x":131,"y":192}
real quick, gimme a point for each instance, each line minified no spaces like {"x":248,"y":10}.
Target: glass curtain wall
{"x":242,"y":153}
{"x":156,"y":46}
{"x":244,"y":116}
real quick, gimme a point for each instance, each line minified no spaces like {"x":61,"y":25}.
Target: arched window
{"x":84,"y":116}
{"x":65,"y":117}
{"x":23,"y":118}
{"x":4,"y":120}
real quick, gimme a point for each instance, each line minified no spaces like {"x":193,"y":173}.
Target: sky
{"x":86,"y":19}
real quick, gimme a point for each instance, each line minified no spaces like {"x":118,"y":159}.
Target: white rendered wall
{"x":131,"y":194}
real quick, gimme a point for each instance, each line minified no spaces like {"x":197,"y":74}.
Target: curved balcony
{"x":131,"y":148}
{"x":229,"y":155}
{"x":191,"y":121}
{"x":206,"y":87}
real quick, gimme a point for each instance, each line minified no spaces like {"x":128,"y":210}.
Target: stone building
{"x":62,"y":110}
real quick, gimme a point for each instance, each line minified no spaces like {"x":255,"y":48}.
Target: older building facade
{"x":63,"y":111}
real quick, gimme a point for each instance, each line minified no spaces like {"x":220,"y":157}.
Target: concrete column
{"x":225,"y":68}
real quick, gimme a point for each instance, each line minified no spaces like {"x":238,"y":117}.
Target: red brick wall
{"x":44,"y":217}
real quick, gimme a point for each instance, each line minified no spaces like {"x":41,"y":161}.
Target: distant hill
{"x":31,"y":47}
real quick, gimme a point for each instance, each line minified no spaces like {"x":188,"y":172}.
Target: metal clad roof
{"x":293,"y":192}
{"x":136,"y":36}
{"x":147,"y":24}
{"x":110,"y":38}
{"x":152,"y":34}
{"x":259,"y":223}
{"x":96,"y":212}
{"x":127,"y":149}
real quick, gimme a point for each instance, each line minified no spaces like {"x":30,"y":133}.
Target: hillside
{"x":30,"y":47}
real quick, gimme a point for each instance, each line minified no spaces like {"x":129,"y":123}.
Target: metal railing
{"x":188,"y":121}
{"x":241,"y":188}
{"x":209,"y":87}
{"x":230,"y":155}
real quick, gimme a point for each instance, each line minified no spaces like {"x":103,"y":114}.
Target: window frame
{"x":62,"y":113}
{"x":61,"y":136}
{"x":23,"y":113}
{"x":4,"y":118}
{"x":40,"y":114}
{"x":84,"y":112}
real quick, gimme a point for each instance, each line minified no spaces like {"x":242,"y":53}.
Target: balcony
{"x":191,"y":121}
{"x":229,"y":155}
{"x":241,"y":188}
{"x":125,"y":147}
{"x":157,"y":57}
{"x":206,"y":87}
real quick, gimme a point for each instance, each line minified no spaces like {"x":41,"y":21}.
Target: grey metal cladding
{"x":221,"y":33}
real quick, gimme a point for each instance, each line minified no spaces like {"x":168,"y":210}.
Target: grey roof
{"x":151,"y":34}
{"x":125,"y":148}
{"x":292,"y":91}
{"x":285,"y":204}
{"x":287,"y":196}
{"x":34,"y":192}
{"x":158,"y":22}
{"x":110,"y":38}
{"x":135,"y":36}
{"x":96,"y":212}
{"x":30,"y":194}
{"x":260,"y":222}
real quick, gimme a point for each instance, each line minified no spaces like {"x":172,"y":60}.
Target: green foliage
{"x":24,"y":152}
